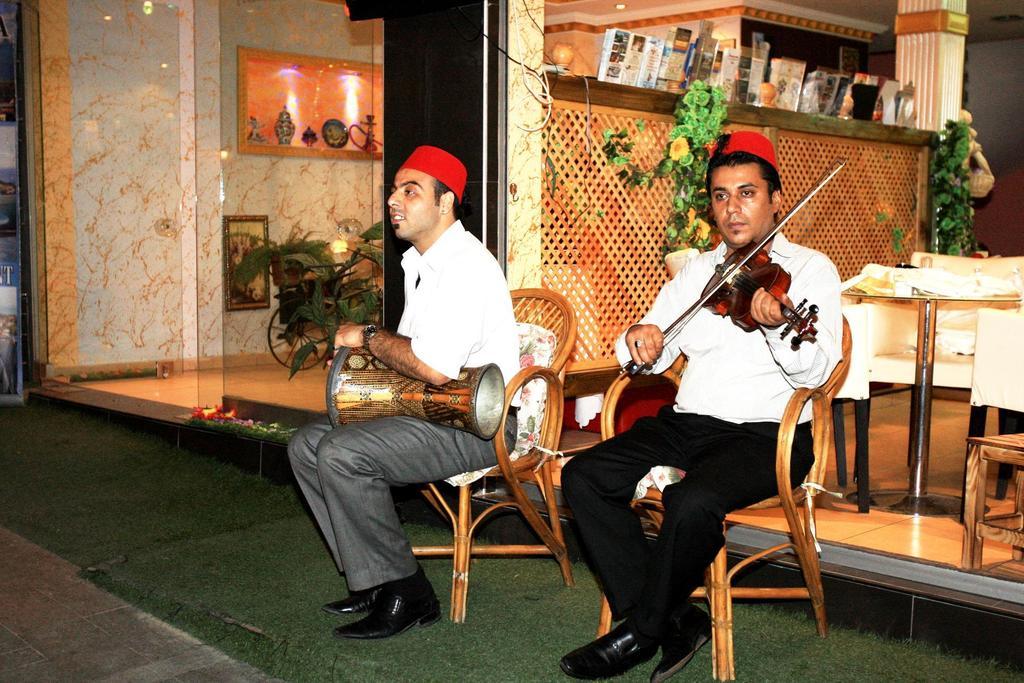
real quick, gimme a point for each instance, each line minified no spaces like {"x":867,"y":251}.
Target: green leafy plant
{"x":348,"y":292}
{"x":699,"y":114}
{"x":292,"y":256}
{"x":951,"y":192}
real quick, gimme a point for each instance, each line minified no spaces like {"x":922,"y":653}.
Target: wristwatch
{"x":368,"y":333}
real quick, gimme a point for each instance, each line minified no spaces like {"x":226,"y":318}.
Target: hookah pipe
{"x":369,"y":144}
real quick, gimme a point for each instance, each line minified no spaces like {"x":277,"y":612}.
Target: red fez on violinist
{"x":751,"y":143}
{"x":438,"y":163}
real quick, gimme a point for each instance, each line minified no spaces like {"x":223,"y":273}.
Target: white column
{"x":930,"y":36}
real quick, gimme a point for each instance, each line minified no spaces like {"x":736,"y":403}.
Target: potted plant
{"x":287,"y":260}
{"x":348,"y":292}
{"x":951,"y":191}
{"x":699,"y":114}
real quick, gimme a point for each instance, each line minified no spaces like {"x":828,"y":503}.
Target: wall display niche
{"x":299,"y":105}
{"x":243,"y":234}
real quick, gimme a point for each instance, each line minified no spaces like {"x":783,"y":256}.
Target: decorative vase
{"x":284,"y":129}
{"x":309,"y":137}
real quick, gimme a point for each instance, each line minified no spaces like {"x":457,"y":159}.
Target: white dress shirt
{"x":460,"y":313}
{"x":741,"y":376}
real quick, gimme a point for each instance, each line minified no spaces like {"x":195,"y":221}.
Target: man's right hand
{"x":645,"y":343}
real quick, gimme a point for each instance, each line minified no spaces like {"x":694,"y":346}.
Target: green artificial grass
{"x":236,"y":561}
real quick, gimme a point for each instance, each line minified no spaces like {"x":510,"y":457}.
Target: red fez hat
{"x":752,"y":143}
{"x":438,"y":163}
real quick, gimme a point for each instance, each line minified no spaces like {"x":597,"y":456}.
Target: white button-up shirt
{"x":741,"y":376}
{"x":460,"y":313}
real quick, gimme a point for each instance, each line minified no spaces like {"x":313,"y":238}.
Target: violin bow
{"x":672,"y":330}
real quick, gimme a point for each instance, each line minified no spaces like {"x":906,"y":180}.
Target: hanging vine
{"x":951,"y":192}
{"x":699,"y":114}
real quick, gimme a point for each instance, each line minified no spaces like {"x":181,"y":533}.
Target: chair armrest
{"x":550,"y":430}
{"x":611,"y":402}
{"x":787,"y":433}
{"x":615,"y":390}
{"x":821,"y":425}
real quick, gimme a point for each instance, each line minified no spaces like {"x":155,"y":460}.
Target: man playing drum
{"x":458,"y":313}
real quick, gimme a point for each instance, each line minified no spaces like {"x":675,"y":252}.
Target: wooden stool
{"x":1007,"y":449}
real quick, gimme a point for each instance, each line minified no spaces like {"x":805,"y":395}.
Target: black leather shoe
{"x":610,"y":655}
{"x":686,"y":634}
{"x":391,"y":615}
{"x":362,"y":601}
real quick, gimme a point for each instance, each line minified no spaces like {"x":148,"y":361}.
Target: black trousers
{"x":728,"y":466}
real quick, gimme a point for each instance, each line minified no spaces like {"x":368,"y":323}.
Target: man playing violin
{"x":458,"y":313}
{"x":721,"y":431}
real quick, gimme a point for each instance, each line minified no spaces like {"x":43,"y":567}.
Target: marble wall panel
{"x":187,"y":179}
{"x":209,"y":281}
{"x":125,"y":154}
{"x":526,"y":116}
{"x":60,"y":282}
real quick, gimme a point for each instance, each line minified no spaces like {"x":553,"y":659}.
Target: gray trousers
{"x":346,"y":473}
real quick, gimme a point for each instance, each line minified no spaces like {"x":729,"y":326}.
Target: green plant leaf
{"x":300,"y":357}
{"x":374,"y":232}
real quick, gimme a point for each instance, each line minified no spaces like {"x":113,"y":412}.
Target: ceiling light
{"x":107,"y":17}
{"x":620,"y":5}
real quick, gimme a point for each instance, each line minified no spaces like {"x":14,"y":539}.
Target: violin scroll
{"x":801,"y":320}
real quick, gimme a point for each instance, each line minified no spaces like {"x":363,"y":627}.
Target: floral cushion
{"x":659,"y":477}
{"x":536,"y":347}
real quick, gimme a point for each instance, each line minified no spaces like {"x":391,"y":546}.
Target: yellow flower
{"x":678,"y":149}
{"x":703,"y":229}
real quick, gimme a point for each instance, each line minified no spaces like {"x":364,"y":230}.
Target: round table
{"x":916,"y":500}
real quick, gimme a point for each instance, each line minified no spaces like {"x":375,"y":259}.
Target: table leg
{"x":917,"y":500}
{"x":921,"y":417}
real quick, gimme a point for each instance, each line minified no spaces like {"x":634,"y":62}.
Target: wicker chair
{"x":551,"y":311}
{"x":718,"y":590}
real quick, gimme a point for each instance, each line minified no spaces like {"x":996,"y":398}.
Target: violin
{"x":731,"y":288}
{"x":733,"y":299}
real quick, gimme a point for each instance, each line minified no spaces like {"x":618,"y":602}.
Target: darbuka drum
{"x":360,"y":387}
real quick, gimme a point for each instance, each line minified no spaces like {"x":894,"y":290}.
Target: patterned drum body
{"x":361,"y":387}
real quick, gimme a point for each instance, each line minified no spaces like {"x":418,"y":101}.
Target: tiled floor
{"x":55,"y":626}
{"x":933,"y":539}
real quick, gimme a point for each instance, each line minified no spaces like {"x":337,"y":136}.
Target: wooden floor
{"x":930,"y":539}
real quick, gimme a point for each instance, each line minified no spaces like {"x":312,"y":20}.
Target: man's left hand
{"x":766,"y":310}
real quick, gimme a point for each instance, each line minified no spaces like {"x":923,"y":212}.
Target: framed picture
{"x":299,"y":105}
{"x":849,"y":59}
{"x":243,"y":234}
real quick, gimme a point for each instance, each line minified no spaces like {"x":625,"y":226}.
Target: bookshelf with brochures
{"x":750,"y":74}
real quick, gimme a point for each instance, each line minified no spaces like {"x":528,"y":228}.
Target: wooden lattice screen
{"x":853,"y":217}
{"x":602,"y":243}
